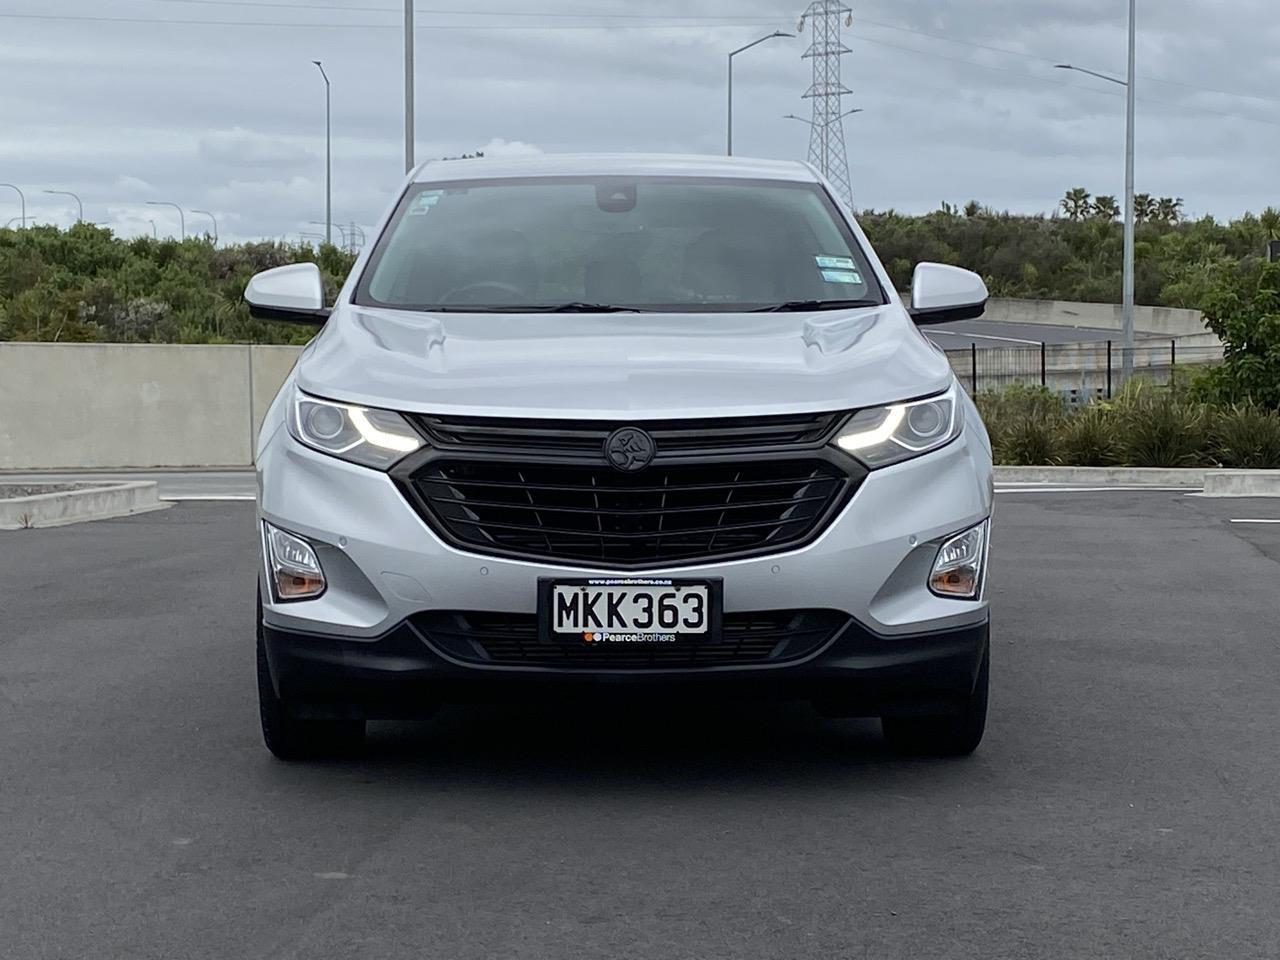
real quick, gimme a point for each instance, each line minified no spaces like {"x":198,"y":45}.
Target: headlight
{"x":879,"y":436}
{"x":370,"y":437}
{"x":961,"y":565}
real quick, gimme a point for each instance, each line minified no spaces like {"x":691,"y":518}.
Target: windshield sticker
{"x":841,"y":276}
{"x":834,"y":263}
{"x":424,"y":201}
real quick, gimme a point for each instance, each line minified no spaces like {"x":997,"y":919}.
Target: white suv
{"x":627,"y":425}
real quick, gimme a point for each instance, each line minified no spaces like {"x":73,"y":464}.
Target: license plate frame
{"x":715,"y":611}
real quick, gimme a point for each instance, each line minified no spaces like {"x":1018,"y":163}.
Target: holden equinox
{"x":623,"y":425}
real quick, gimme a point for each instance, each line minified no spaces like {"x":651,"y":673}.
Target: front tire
{"x":948,"y":735}
{"x":293,"y":738}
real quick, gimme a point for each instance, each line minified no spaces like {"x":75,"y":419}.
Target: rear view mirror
{"x":941,"y":294}
{"x":293,"y":294}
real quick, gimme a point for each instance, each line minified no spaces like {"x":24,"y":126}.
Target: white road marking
{"x":1115,"y":489}
{"x":208,"y":496}
{"x":983,"y":336}
{"x":1255,"y":521}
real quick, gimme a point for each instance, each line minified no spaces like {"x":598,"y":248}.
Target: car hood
{"x":621,"y":365}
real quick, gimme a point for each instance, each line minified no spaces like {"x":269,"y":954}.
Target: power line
{"x":566,"y":15}
{"x":373,"y":26}
{"x":1031,"y":56}
{"x":1099,"y":91}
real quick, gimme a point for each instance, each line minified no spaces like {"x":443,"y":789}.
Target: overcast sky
{"x":961,"y":99}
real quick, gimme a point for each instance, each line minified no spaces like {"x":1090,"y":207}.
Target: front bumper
{"x":384,"y":564}
{"x":356,"y":647}
{"x":402,"y":673}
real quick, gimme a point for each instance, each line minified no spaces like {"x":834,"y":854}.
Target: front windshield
{"x":650,"y":243}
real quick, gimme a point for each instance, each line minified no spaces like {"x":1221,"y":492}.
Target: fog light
{"x":961,"y":564}
{"x":295,"y":571}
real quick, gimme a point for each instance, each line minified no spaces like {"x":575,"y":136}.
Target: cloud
{"x":960,"y":100}
{"x":497,"y":147}
{"x":240,"y":147}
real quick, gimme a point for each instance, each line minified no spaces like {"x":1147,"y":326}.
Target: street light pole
{"x":729,"y":124}
{"x":408,"y":85}
{"x":22,"y":202}
{"x":206,"y":213}
{"x":1129,"y":213}
{"x":328,"y":156}
{"x":342,"y":233}
{"x":155,"y":234}
{"x":1127,"y":298}
{"x":68,"y":193}
{"x":182,"y":220}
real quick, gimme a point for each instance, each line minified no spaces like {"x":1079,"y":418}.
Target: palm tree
{"x":1105,"y":207}
{"x":1144,"y":207}
{"x":1270,"y":220}
{"x":1169,"y":209}
{"x":1076,"y":203}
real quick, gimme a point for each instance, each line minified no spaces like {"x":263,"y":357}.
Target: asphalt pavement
{"x":1125,"y":804}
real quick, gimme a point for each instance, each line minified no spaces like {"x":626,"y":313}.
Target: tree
{"x":1169,"y":210}
{"x":1270,"y":220}
{"x":1244,"y":311}
{"x":1105,"y":207}
{"x":1144,"y":208}
{"x":1076,"y":204}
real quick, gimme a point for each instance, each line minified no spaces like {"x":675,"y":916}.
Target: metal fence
{"x":1079,"y":371}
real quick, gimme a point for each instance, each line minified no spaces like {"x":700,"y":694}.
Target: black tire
{"x":949,"y":735}
{"x":292,"y":738}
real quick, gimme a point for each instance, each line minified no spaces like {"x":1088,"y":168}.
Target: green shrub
{"x":1028,"y":441}
{"x":1247,"y":435}
{"x":1155,"y":427}
{"x":1088,"y":438}
{"x":1020,"y":420}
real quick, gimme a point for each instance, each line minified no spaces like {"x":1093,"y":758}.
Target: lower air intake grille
{"x":505,"y":639}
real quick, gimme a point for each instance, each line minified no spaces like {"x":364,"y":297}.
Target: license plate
{"x":619,"y":611}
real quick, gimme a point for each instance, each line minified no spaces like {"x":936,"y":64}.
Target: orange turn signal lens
{"x":295,"y":570}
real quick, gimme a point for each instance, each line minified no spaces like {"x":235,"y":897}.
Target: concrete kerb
{"x":85,"y":501}
{"x":1191,"y":478}
{"x":1196,"y":480}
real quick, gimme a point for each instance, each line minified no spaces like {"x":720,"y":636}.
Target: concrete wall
{"x":99,"y":405}
{"x":134,"y":405}
{"x":1165,"y":321}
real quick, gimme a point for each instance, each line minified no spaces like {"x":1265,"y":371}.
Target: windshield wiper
{"x":576,"y":306}
{"x":797,"y":306}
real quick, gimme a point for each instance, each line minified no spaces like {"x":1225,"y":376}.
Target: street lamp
{"x":1129,"y":85}
{"x":729,"y":135}
{"x":182,"y":220}
{"x":155,"y":234}
{"x":22,"y":201}
{"x":408,"y":85}
{"x":206,"y":213}
{"x":328,"y":178}
{"x":342,"y":234}
{"x":68,"y":193}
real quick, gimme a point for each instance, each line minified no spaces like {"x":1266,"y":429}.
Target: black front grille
{"x":505,"y":639}
{"x":576,"y":438}
{"x":595,"y":515}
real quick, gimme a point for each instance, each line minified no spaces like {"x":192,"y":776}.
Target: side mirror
{"x":940,"y":294}
{"x":293,"y":294}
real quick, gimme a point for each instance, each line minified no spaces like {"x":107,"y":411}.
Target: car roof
{"x":613,"y":164}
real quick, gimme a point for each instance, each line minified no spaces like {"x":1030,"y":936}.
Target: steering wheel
{"x":460,"y":294}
